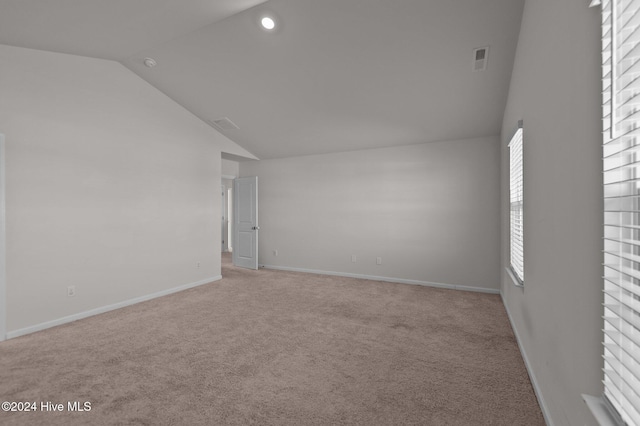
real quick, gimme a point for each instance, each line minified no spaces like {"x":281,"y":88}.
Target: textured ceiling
{"x":337,"y":75}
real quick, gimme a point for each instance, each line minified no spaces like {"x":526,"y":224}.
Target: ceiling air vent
{"x":224,"y":124}
{"x":480,"y":58}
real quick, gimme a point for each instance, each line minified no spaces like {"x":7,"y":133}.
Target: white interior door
{"x":245,"y":212}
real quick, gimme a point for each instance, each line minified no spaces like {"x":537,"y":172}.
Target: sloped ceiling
{"x":107,"y":29}
{"x":336,"y":75}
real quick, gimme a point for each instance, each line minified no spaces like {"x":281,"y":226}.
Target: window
{"x":516,"y":207}
{"x":621,"y":166}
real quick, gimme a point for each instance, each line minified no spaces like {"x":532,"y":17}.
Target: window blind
{"x":516,"y":206}
{"x":621,"y":166}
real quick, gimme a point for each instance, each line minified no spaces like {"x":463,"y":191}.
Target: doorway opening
{"x":239,"y":221}
{"x":227,"y":214}
{"x":230,"y":219}
{"x":245,"y":222}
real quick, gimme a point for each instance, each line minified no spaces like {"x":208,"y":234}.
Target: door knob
{"x":255,"y":228}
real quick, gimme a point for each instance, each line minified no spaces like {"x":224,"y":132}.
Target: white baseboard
{"x":532,"y":376}
{"x":107,"y":308}
{"x":386,"y":279}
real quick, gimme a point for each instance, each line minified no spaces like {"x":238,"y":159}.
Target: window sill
{"x":515,"y":280}
{"x":600,"y":411}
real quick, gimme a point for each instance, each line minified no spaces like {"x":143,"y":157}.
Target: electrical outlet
{"x":197,"y":264}
{"x":353,"y":258}
{"x":275,"y":252}
{"x":378,"y":261}
{"x":71,"y":291}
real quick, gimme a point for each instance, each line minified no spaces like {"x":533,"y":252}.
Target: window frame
{"x":620,"y":401}
{"x":516,"y":149}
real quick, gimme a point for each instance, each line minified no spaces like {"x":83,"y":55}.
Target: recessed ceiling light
{"x":149,"y":62}
{"x":267,"y":23}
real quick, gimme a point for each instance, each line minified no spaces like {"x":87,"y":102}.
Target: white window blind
{"x":516,"y":206}
{"x":621,"y":166}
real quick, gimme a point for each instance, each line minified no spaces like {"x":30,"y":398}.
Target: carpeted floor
{"x":279,"y":348}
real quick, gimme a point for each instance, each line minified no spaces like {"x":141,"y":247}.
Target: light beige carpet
{"x":277,"y":348}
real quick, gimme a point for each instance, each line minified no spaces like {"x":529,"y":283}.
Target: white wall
{"x":431,"y":212}
{"x":3,"y":268}
{"x":230,"y":168}
{"x":555,"y":89}
{"x":111,"y":187}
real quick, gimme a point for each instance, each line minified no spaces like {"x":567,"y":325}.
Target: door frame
{"x":3,"y":251}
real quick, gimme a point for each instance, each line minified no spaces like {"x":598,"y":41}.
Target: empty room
{"x":303,"y":212}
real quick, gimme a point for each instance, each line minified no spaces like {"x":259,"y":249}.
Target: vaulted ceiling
{"x":335,"y":75}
